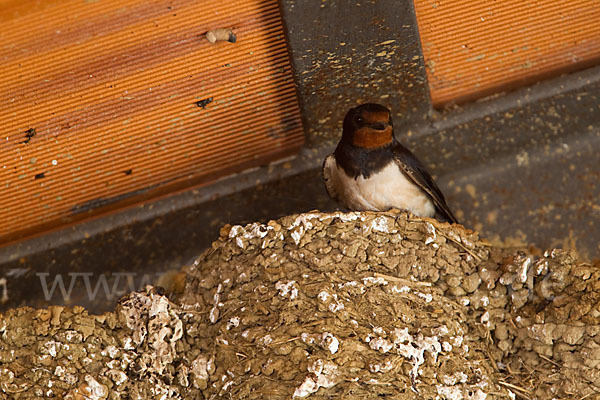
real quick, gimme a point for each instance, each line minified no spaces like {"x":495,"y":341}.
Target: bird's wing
{"x":327,"y":171}
{"x":413,"y":168}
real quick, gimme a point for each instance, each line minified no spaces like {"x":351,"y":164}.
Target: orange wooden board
{"x":474,"y":48}
{"x":110,"y":88}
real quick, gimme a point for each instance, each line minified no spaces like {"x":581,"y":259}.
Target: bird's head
{"x":368,"y":126}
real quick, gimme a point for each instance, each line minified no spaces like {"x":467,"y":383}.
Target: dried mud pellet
{"x":589,"y":361}
{"x":56,"y":312}
{"x":498,"y":291}
{"x":543,"y":349}
{"x":456,"y":291}
{"x":592,"y":330}
{"x":570,"y":360}
{"x":507,"y":278}
{"x":505,"y":345}
{"x":287,"y":374}
{"x":562,"y":314}
{"x":558,"y":332}
{"x":298,"y":355}
{"x":501,"y":332}
{"x":517,"y":285}
{"x":489,"y":277}
{"x":453,"y":281}
{"x":542,"y":332}
{"x":579,"y":310}
{"x":221,"y":35}
{"x":283,"y":349}
{"x":480,"y":299}
{"x":471,"y":282}
{"x":573,"y":334}
{"x":519,"y":298}
{"x":530,"y":358}
{"x":268,"y":369}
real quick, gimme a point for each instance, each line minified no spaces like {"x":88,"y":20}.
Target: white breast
{"x":388,"y":188}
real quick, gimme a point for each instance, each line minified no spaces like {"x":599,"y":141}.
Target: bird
{"x":371,"y":171}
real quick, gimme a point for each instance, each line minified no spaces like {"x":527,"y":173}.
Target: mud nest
{"x":328,"y":305}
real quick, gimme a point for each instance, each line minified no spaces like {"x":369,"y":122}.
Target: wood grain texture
{"x":110,"y":88}
{"x":474,"y":48}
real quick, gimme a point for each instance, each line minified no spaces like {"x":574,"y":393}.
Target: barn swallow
{"x":371,"y":170}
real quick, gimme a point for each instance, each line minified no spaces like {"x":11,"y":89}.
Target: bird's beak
{"x":379,"y":126}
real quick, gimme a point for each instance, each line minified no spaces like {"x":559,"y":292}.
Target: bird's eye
{"x":359,"y":119}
